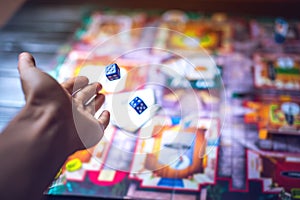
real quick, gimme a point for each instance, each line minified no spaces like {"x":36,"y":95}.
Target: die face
{"x":111,"y":69}
{"x":135,"y":101}
{"x":112,"y":72}
{"x":138,"y":104}
{"x":141,"y":107}
{"x":113,"y":77}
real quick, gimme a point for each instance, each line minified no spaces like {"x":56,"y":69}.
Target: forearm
{"x":31,"y":153}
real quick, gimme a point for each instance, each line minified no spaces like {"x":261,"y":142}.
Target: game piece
{"x":73,"y":165}
{"x":138,"y":104}
{"x":271,"y":71}
{"x":112,"y":72}
{"x":290,"y":110}
{"x":281,"y":29}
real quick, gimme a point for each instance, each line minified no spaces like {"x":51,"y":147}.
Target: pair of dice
{"x":113,"y":73}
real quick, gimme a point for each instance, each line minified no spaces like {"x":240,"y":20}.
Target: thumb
{"x":26,"y":62}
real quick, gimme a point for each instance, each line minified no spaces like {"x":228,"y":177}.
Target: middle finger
{"x":87,"y":92}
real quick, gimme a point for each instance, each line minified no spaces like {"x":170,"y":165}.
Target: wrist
{"x":35,"y":149}
{"x":42,"y":126}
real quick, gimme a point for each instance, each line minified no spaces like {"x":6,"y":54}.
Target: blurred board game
{"x":222,"y":114}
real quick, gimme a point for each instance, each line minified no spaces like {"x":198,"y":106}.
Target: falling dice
{"x":112,"y":72}
{"x":138,"y":104}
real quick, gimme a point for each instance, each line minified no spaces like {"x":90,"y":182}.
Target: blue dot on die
{"x":138,"y":104}
{"x":112,"y":72}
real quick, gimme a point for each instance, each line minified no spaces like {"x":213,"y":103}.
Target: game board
{"x":223,"y":126}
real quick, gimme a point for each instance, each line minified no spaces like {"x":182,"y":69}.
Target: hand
{"x":63,"y":107}
{"x":56,"y":121}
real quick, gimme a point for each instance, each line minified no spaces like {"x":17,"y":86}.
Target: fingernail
{"x":27,"y":56}
{"x":99,"y":87}
{"x":23,"y":55}
{"x":106,"y":113}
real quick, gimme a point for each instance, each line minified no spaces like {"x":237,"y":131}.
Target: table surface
{"x":42,"y":36}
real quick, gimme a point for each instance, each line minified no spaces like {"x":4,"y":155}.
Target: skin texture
{"x":54,"y":123}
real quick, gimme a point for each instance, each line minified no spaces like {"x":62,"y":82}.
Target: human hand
{"x":56,"y":121}
{"x":61,"y":110}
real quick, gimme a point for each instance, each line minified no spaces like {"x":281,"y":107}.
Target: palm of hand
{"x":66,"y":110}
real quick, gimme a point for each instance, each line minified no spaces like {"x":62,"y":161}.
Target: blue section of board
{"x":170,"y":182}
{"x":175,"y":120}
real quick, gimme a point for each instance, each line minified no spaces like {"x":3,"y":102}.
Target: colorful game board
{"x":223,"y":125}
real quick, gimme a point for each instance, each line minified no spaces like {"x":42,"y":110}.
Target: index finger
{"x":75,"y":83}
